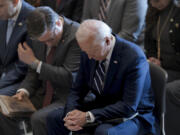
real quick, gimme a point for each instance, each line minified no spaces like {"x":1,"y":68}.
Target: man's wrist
{"x":34,"y":64}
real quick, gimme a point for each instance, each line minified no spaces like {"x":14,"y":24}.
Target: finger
{"x":26,"y":45}
{"x":15,"y":96}
{"x":70,"y":118}
{"x":70,"y":122}
{"x":21,"y":49}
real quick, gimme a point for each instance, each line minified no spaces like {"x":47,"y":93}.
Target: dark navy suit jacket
{"x":127,"y":88}
{"x":9,"y":62}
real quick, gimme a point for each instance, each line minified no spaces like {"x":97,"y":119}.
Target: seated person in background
{"x":117,"y":72}
{"x":12,"y":31}
{"x":125,"y":17}
{"x":162,"y":45}
{"x":52,"y":62}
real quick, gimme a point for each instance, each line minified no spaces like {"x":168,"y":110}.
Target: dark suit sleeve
{"x":31,"y":82}
{"x":14,"y":75}
{"x":61,"y":75}
{"x":79,"y":89}
{"x":132,"y":93}
{"x":17,"y":70}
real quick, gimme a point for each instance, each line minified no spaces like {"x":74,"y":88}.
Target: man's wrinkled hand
{"x":75,"y":120}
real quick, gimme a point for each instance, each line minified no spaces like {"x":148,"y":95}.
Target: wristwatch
{"x":34,"y":64}
{"x":88,"y":118}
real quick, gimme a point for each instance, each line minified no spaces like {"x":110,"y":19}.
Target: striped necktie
{"x":104,"y":4}
{"x":99,"y":76}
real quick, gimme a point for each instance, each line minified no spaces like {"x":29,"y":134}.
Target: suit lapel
{"x":18,"y":28}
{"x":3,"y":30}
{"x":93,"y":69}
{"x":113,"y":66}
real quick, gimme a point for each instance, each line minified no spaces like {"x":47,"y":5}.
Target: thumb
{"x":25,"y":45}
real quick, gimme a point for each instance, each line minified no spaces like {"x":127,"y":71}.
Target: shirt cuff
{"x":24,"y":90}
{"x":38,"y":70}
{"x":92,"y":118}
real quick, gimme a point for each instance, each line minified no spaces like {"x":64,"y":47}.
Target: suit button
{"x":173,"y":44}
{"x":177,"y":25}
{"x":171,"y":20}
{"x":171,"y":31}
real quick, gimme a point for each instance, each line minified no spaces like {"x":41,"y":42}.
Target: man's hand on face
{"x":75,"y":120}
{"x":25,"y":53}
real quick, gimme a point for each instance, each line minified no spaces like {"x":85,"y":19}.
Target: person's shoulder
{"x":129,"y":48}
{"x":28,"y":7}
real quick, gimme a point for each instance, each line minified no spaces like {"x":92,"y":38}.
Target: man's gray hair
{"x":40,"y":20}
{"x":93,"y":28}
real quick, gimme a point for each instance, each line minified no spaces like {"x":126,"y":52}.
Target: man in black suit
{"x":13,"y":31}
{"x":53,"y":62}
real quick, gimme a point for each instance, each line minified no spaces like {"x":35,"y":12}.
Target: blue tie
{"x":99,"y":77}
{"x":9,"y":30}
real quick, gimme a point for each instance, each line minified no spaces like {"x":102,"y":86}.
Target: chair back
{"x":158,"y":80}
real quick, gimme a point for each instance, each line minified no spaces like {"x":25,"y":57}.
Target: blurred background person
{"x":125,"y":17}
{"x":162,"y":45}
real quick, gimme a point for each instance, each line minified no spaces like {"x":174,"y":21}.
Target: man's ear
{"x":107,"y":40}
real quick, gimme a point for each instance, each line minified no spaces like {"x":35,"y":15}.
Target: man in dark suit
{"x":13,"y":31}
{"x":53,"y":61}
{"x":117,"y":73}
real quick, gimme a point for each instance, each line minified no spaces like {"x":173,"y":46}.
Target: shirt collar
{"x":108,"y":57}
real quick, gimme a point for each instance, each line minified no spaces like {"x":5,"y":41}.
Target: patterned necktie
{"x":104,"y":4}
{"x":49,"y":88}
{"x":99,"y":76}
{"x":9,"y":29}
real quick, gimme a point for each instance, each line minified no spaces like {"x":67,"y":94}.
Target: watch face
{"x":88,"y":118}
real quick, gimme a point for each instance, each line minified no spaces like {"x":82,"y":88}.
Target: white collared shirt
{"x":108,"y":57}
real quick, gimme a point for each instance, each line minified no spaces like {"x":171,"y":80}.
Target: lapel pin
{"x":20,"y":24}
{"x":115,"y":61}
{"x":177,"y":25}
